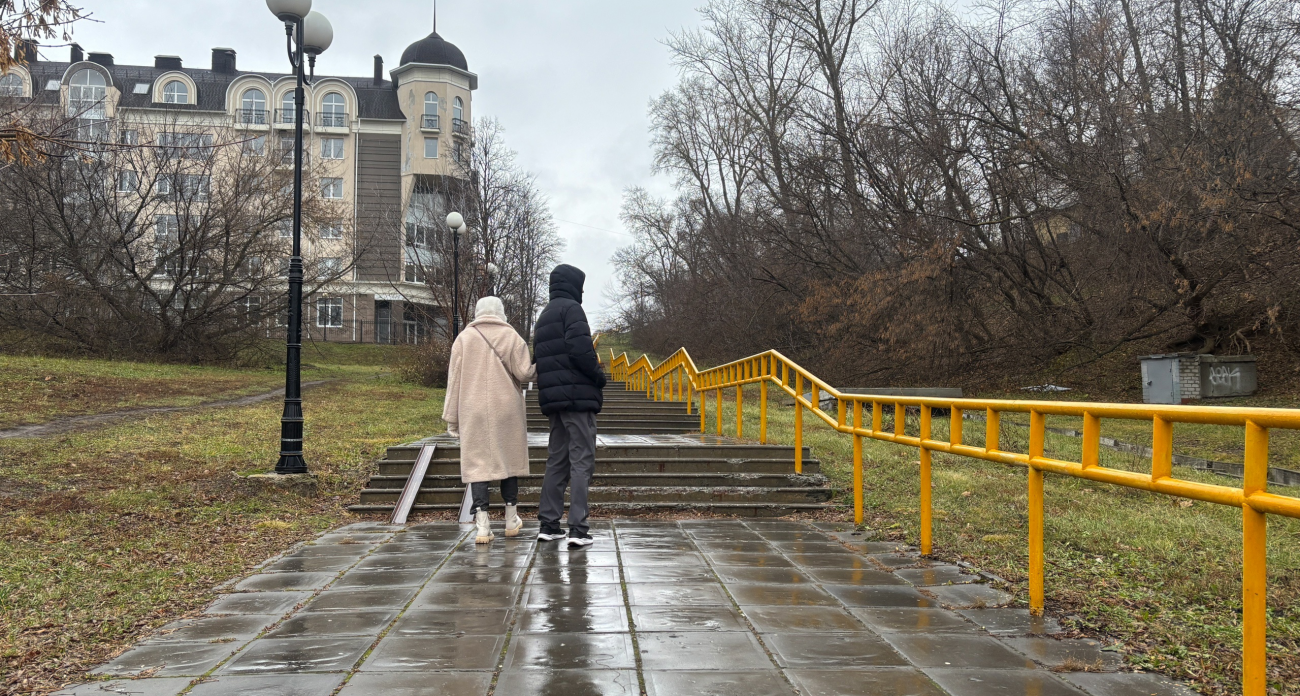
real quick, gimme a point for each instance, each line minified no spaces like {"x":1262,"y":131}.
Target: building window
{"x":163,"y":186}
{"x":86,"y":93}
{"x":252,"y":107}
{"x":193,"y":186}
{"x":11,"y":85}
{"x":331,"y":230}
{"x":430,"y":111}
{"x":331,"y":188}
{"x":249,"y":310}
{"x":431,"y":148}
{"x":255,"y":146}
{"x":458,"y":109}
{"x":334,"y":111}
{"x":284,"y":268}
{"x":458,"y":152}
{"x":166,"y":241}
{"x":285,"y":229}
{"x":331,"y":148}
{"x":129,"y":137}
{"x":176,"y":92}
{"x":127,"y":182}
{"x":186,"y":145}
{"x":251,"y":267}
{"x":329,"y":312}
{"x":414,"y":273}
{"x":419,"y":236}
{"x":288,"y":109}
{"x":330,"y":266}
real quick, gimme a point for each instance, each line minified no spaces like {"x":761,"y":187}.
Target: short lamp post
{"x":309,"y":34}
{"x":456,"y":223}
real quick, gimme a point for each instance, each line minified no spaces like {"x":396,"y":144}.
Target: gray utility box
{"x":1179,"y":378}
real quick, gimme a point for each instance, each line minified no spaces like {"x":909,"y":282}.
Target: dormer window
{"x":176,"y":92}
{"x":11,"y":85}
{"x":252,"y":107}
{"x":87,"y":91}
{"x":334,"y":111}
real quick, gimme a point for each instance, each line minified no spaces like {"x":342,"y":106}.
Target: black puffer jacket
{"x":569,"y":377}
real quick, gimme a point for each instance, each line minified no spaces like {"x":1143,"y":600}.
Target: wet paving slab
{"x":698,"y":607}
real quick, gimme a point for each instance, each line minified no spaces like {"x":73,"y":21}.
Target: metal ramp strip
{"x":412,"y":488}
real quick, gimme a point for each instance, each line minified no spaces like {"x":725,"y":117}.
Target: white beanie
{"x":490,"y":307}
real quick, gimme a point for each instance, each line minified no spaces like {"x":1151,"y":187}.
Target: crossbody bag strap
{"x":499,"y":358}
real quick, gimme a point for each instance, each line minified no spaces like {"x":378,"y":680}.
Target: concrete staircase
{"x":650,"y":457}
{"x":627,"y":413}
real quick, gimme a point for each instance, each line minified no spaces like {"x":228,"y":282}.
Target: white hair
{"x":490,"y":307}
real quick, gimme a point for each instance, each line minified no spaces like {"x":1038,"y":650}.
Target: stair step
{"x":408,"y":453}
{"x":645,"y":479}
{"x":537,"y":467}
{"x":648,"y":508}
{"x":627,"y":494}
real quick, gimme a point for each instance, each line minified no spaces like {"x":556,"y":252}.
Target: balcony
{"x":251,"y":117}
{"x":284,"y":118}
{"x":431,"y":122}
{"x":460,"y":126}
{"x":333,"y":119}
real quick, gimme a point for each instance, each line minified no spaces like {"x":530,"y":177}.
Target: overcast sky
{"x":569,"y":79}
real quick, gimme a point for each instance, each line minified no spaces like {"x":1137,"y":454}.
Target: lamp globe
{"x":289,"y":10}
{"x":317,"y":34}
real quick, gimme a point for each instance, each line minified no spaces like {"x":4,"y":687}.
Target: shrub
{"x":426,"y":364}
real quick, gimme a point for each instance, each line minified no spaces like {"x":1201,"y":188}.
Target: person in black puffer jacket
{"x":570,"y":383}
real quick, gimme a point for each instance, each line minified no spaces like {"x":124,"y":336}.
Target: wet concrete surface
{"x":698,"y":607}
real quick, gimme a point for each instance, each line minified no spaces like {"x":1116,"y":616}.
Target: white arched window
{"x":176,"y":92}
{"x":431,"y":111}
{"x":87,"y":91}
{"x":252,"y":107}
{"x":287,"y":106}
{"x":334,"y":111}
{"x":458,"y":109}
{"x":11,"y":85}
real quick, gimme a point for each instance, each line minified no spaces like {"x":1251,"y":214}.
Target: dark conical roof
{"x":434,"y":50}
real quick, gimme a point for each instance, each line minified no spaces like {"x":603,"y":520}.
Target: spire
{"x":435,"y":16}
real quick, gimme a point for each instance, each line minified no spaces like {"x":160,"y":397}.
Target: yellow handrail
{"x":678,"y":379}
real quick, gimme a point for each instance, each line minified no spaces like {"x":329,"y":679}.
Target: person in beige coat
{"x":489,"y":367}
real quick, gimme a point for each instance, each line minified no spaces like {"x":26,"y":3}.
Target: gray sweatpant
{"x":571,"y":458}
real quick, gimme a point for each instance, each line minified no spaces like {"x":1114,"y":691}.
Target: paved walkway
{"x":699,"y":607}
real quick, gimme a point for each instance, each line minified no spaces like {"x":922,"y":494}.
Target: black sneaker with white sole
{"x":578,"y":540}
{"x":550,"y":535}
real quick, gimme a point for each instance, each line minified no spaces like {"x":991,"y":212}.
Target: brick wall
{"x":1189,"y":377}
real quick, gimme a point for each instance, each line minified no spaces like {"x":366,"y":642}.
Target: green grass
{"x":1157,"y":576}
{"x":109,"y":534}
{"x":1214,"y":442}
{"x":36,"y":389}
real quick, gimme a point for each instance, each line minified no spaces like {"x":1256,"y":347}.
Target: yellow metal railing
{"x":678,"y":379}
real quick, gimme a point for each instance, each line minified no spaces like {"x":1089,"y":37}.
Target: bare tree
{"x":174,"y":246}
{"x":510,"y":227}
{"x":958,"y":197}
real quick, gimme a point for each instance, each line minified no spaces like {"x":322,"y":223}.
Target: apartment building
{"x":383,"y":147}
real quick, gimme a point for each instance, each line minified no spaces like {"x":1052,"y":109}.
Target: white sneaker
{"x":484,"y":527}
{"x":548,"y":536}
{"x":579,"y":541}
{"x":513,"y":524}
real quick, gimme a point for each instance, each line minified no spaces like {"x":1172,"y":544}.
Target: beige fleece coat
{"x":484,"y":407}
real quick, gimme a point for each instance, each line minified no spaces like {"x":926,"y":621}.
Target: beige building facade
{"x":379,"y":149}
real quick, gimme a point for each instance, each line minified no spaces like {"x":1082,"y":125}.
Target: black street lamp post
{"x":456,"y":222}
{"x":309,"y":34}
